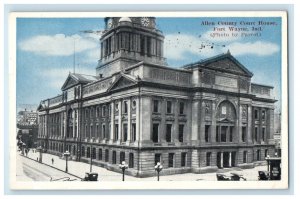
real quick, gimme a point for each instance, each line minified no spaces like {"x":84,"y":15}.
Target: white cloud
{"x":57,"y":45}
{"x":259,"y":48}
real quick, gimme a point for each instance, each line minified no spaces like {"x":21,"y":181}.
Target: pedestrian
{"x":52,"y":161}
{"x":37,"y":159}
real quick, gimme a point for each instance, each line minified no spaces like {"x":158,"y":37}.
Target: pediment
{"x":225,"y":120}
{"x":70,"y":81}
{"x":122,"y":82}
{"x":229,"y":65}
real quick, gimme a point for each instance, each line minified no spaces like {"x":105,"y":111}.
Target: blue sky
{"x":45,"y":49}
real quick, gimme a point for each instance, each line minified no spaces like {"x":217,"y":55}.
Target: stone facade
{"x":201,"y":117}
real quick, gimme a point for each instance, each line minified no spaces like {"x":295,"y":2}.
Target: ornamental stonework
{"x":244,"y":112}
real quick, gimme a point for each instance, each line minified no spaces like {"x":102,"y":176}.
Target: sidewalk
{"x":80,"y":168}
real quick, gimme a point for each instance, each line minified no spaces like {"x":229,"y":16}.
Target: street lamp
{"x":123,"y":166}
{"x":40,"y":149}
{"x":67,"y":154}
{"x":158,"y":167}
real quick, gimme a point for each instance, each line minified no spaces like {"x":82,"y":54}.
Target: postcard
{"x":148,"y":100}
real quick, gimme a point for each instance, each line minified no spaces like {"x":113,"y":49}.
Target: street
{"x":36,"y":171}
{"x":30,"y":170}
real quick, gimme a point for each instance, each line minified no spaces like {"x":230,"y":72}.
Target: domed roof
{"x":125,"y":19}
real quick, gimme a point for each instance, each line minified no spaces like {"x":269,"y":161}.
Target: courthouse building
{"x":198,"y":118}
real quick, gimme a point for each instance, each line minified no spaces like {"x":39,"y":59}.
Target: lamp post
{"x":158,"y":167}
{"x":40,"y":149}
{"x":67,"y":154}
{"x":123,"y":166}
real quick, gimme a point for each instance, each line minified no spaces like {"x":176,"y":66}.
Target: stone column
{"x":202,"y":123}
{"x":120,"y":136}
{"x":221,"y":162}
{"x":213,"y":123}
{"x":176,"y":123}
{"x":229,"y":159}
{"x":162,"y":129}
{"x":129,"y":120}
{"x":137,"y":128}
{"x":249,"y":136}
{"x":112,"y":122}
{"x":270,"y":126}
{"x":74,"y":119}
{"x":195,"y":120}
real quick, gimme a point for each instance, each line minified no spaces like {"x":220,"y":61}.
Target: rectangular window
{"x":183,"y":159}
{"x":131,"y":160}
{"x":133,"y":132}
{"x":245,"y":157}
{"x":125,"y":129}
{"x":155,"y":106}
{"x":114,"y":157}
{"x":169,"y":107}
{"x":171,"y":160}
{"x":106,"y":155}
{"x":256,"y":134}
{"x":122,"y":157}
{"x":155,"y":133}
{"x":181,"y":132}
{"x":256,"y":114}
{"x":157,"y":158}
{"x":217,"y":134}
{"x":92,"y":132}
{"x":103,"y":131}
{"x":263,"y":114}
{"x":223,"y":133}
{"x":116,"y":136}
{"x":181,"y":108}
{"x":169,"y":132}
{"x":97,"y":131}
{"x":244,"y":130}
{"x":231,"y":134}
{"x":258,"y":155}
{"x":266,"y":153}
{"x":100,"y":154}
{"x":263,"y":134}
{"x":207,"y":129}
{"x":125,"y":107}
{"x":208,"y":158}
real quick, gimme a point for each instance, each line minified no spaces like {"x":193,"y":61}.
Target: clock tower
{"x":127,"y":41}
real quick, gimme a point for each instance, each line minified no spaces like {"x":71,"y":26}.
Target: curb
{"x":52,"y":167}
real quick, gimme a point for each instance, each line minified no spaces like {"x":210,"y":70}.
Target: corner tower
{"x":127,"y":41}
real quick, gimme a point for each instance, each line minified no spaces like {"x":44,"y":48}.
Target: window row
{"x":169,"y":136}
{"x":171,"y":159}
{"x":92,"y":154}
{"x":170,"y":107}
{"x":259,"y":114}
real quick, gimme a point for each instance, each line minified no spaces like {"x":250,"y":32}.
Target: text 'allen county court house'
{"x":198,"y":118}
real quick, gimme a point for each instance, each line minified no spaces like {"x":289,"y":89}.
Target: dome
{"x":125,"y":19}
